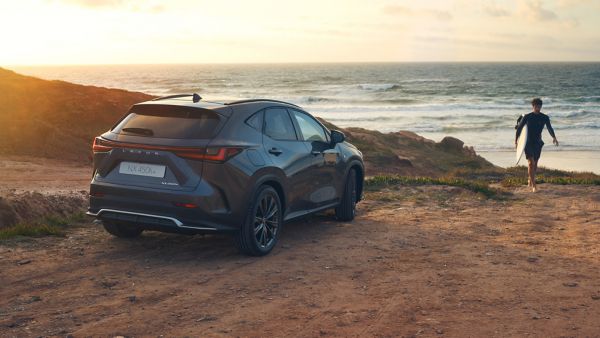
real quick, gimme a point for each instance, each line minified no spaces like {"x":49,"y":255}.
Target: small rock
{"x":24,"y":261}
{"x":532,"y":259}
{"x":536,"y":317}
{"x":596,"y":297}
{"x":403,"y":161}
{"x":34,"y":299}
{"x":451,"y":143}
{"x":206,"y":318}
{"x":108,"y":284}
{"x":132,"y":298}
{"x":570,"y":284}
{"x":439,"y":331}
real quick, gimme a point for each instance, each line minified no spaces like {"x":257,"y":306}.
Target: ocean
{"x":475,"y":102}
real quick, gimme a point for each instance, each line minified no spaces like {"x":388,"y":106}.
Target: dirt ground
{"x":417,"y":261}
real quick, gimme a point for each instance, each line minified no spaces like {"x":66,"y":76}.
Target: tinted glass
{"x":278,"y":125}
{"x":310,"y":129}
{"x":166,"y":121}
{"x":255,"y":121}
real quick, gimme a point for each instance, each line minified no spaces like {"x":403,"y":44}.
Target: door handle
{"x":275,"y":151}
{"x":315,"y":152}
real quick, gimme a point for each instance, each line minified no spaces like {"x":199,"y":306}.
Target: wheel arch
{"x":273,"y":180}
{"x":360,"y":176}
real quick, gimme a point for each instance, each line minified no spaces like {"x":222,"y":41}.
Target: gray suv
{"x":181,"y":164}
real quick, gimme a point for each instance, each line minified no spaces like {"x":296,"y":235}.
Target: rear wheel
{"x":122,"y":230}
{"x":346,"y":210}
{"x":260,"y":231}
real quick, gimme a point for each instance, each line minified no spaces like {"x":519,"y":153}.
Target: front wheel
{"x":346,"y":210}
{"x":260,"y":231}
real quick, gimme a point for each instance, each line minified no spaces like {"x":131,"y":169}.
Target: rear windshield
{"x":164,"y":121}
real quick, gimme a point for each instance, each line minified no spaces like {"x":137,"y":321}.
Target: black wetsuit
{"x":535,"y":124}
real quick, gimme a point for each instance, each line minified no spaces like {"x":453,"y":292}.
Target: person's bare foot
{"x":534,"y":189}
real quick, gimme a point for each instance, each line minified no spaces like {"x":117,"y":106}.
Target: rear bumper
{"x":156,"y":209}
{"x":142,"y":218}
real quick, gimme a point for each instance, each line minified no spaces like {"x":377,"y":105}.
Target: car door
{"x":286,"y":152}
{"x":324,"y":158}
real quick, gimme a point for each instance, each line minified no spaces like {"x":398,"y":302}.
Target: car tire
{"x":260,"y":231}
{"x":346,"y":210}
{"x":122,"y":230}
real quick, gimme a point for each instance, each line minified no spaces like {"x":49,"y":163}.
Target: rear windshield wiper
{"x":141,"y":131}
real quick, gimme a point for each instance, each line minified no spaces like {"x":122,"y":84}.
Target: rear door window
{"x":310,"y":129}
{"x":256,"y":121}
{"x":278,"y":124}
{"x":166,"y":121}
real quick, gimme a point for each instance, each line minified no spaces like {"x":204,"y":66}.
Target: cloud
{"x":131,"y":5}
{"x":494,"y":10}
{"x":407,"y":11}
{"x":533,"y":10}
{"x":574,"y":3}
{"x":96,"y":3}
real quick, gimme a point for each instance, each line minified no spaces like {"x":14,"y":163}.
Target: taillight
{"x":101,"y":145}
{"x":215,"y":154}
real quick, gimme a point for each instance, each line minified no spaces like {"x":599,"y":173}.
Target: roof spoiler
{"x":195,"y":97}
{"x":259,"y":100}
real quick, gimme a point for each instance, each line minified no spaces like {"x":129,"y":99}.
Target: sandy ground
{"x":417,"y":261}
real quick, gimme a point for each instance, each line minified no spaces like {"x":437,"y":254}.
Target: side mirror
{"x":337,"y":136}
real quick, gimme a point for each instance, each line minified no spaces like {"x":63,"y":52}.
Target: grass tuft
{"x":480,"y":187}
{"x":48,"y":226}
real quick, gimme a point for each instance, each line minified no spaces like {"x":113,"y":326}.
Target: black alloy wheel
{"x":259,"y":234}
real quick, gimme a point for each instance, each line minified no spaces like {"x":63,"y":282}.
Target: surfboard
{"x":521,"y":143}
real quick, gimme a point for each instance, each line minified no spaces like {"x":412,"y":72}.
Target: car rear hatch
{"x":158,"y":146}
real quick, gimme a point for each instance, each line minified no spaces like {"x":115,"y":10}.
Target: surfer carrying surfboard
{"x":535,"y":122}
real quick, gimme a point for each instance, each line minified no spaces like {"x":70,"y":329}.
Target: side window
{"x":255,"y":121}
{"x":310,"y":129}
{"x":278,"y":125}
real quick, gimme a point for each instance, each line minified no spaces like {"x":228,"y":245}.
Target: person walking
{"x":535,"y":121}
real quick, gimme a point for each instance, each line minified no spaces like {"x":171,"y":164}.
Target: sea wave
{"x":422,"y":80}
{"x":316,"y":99}
{"x":582,"y":113}
{"x":378,"y":87}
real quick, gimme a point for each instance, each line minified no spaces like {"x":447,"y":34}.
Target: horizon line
{"x":8,"y":66}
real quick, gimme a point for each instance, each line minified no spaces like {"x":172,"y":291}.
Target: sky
{"x":63,"y":32}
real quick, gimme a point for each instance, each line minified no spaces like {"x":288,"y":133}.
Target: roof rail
{"x":195,"y":97}
{"x":259,"y":100}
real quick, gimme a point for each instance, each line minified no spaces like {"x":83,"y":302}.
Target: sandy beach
{"x":570,"y":160}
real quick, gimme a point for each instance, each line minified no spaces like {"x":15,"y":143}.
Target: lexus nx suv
{"x":181,"y":164}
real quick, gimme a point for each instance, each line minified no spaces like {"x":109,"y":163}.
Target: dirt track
{"x":427,"y":261}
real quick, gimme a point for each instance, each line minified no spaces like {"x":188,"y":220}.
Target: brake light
{"x":215,"y":154}
{"x":101,"y":145}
